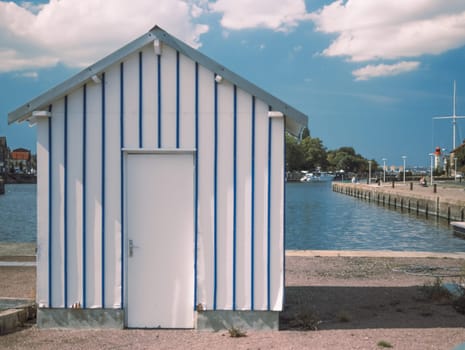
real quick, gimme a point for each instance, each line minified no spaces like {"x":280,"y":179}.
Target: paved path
{"x":455,"y":191}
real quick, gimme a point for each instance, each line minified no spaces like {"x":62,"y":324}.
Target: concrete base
{"x":80,"y":318}
{"x":14,"y":313}
{"x":244,"y":320}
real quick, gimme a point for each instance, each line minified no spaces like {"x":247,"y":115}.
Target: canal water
{"x":316,"y":218}
{"x":18,"y":213}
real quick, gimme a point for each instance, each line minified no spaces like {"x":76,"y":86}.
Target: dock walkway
{"x":443,"y":200}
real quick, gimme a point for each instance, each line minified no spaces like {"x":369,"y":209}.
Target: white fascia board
{"x":22,"y":113}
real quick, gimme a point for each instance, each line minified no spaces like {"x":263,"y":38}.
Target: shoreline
{"x":441,"y":200}
{"x":331,"y":302}
{"x":27,"y":250}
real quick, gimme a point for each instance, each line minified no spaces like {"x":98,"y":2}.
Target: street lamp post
{"x":384,"y":169}
{"x":369,"y":172}
{"x":431,"y":167}
{"x":404,"y":158}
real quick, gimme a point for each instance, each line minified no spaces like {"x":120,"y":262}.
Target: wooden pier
{"x":437,"y":200}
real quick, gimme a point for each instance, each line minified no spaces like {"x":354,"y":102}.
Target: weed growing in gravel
{"x":436,"y":291}
{"x":306,"y":320}
{"x":236,"y":332}
{"x":384,"y":344}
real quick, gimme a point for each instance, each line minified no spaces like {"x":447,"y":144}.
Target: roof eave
{"x":24,"y":112}
{"x":299,"y":120}
{"x":275,"y":103}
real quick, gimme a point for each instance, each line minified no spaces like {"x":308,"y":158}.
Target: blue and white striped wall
{"x":166,"y":101}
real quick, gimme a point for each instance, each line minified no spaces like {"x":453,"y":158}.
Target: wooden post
{"x":2,"y":186}
{"x":411,"y":186}
{"x":434,"y":188}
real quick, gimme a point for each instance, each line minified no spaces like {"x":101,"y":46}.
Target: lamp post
{"x":404,"y":158}
{"x":455,"y":168}
{"x":369,"y":172}
{"x":384,"y":169}
{"x":431,"y":167}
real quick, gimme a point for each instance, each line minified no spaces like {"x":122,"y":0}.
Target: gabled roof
{"x":295,"y":120}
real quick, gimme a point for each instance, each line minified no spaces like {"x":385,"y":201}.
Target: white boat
{"x":459,"y":228}
{"x":319,"y":176}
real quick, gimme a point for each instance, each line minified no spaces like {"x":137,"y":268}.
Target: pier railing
{"x":438,"y":201}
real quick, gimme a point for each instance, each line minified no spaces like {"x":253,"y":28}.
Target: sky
{"x":371,"y":75}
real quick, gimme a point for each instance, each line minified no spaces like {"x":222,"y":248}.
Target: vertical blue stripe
{"x":215,"y":198}
{"x":252,"y":219}
{"x":268,"y":265}
{"x":284,"y":216}
{"x":65,"y":206}
{"x":177,"y":100}
{"x":103,"y":189}
{"x":159,"y":100}
{"x":121,"y":130}
{"x":50,"y":209}
{"x":140,"y":100}
{"x":84,"y":197}
{"x":234,"y":197}
{"x":196,"y":181}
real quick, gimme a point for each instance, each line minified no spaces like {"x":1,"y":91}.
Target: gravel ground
{"x":332,"y":302}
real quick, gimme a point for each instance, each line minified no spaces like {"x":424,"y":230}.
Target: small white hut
{"x":160,"y":193}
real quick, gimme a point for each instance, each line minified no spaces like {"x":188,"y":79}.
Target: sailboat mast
{"x":454,"y":121}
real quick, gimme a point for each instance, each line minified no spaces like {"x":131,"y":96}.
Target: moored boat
{"x":459,"y":228}
{"x":318,"y":176}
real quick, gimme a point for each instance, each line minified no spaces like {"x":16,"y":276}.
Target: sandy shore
{"x":334,"y":300}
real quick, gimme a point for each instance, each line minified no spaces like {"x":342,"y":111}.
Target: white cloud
{"x":278,"y":15}
{"x":384,"y":70}
{"x":32,"y":75}
{"x":391,"y":29}
{"x":77,"y":33}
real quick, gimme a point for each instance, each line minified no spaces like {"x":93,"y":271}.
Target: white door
{"x":160,"y":240}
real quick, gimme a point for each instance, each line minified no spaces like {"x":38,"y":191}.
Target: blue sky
{"x":369,"y":74}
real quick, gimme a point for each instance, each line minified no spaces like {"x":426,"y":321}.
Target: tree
{"x":310,"y":154}
{"x":294,"y":154}
{"x":314,"y":153}
{"x":345,"y":158}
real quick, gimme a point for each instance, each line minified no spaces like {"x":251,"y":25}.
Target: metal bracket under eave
{"x":275,"y":114}
{"x":157,"y":47}
{"x":36,"y":115}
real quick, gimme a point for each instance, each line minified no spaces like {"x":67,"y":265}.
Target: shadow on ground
{"x":328,"y":307}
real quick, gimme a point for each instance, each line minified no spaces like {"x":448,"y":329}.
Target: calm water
{"x":318,"y":218}
{"x":18,"y":214}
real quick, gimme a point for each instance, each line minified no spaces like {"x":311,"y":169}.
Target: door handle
{"x":131,"y":247}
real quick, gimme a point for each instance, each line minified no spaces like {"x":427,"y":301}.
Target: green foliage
{"x":314,"y":153}
{"x":384,"y":344}
{"x":294,"y":154}
{"x":310,"y":154}
{"x":236,"y":332}
{"x":436,"y":291}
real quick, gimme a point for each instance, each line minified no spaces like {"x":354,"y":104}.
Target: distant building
{"x":452,"y":159}
{"x":4,"y":155}
{"x":20,"y":160}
